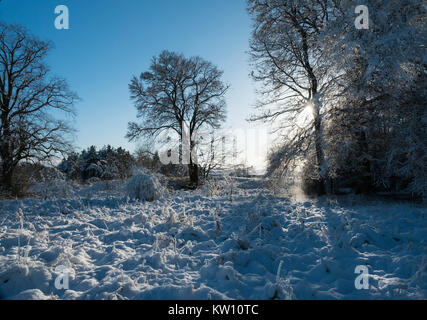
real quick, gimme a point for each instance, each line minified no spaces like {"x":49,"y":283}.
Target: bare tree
{"x":213,"y":150}
{"x":288,"y":62}
{"x":177,"y":93}
{"x":28,"y":100}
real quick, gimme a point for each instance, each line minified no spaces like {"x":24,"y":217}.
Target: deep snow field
{"x":238,"y":242}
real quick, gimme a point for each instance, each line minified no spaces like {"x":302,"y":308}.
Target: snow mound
{"x":145,"y":187}
{"x":31,"y":294}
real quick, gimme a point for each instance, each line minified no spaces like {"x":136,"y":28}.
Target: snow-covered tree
{"x":376,"y":123}
{"x":107,"y":163}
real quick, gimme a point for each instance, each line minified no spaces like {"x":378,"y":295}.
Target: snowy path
{"x":190,"y":246}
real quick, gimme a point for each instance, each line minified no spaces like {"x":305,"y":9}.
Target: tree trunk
{"x":7,"y":166}
{"x":322,"y":184}
{"x":193,"y":170}
{"x":6,"y":177}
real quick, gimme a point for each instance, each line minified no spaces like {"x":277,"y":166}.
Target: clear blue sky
{"x":111,"y":40}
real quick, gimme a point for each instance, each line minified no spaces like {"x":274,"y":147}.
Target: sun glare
{"x":306,"y":115}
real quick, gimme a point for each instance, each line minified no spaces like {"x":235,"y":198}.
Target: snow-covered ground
{"x":238,"y":242}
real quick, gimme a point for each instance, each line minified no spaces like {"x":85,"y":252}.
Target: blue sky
{"x":111,"y":40}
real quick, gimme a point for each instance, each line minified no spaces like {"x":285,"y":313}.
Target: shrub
{"x":55,"y":189}
{"x":145,"y":187}
{"x":28,"y":174}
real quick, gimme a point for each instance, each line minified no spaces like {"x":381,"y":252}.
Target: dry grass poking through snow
{"x":239,"y":244}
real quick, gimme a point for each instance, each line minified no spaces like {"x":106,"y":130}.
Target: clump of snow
{"x":31,"y":294}
{"x":145,"y":187}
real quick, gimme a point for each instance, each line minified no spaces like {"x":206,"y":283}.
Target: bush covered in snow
{"x":55,"y":189}
{"x":28,"y":174}
{"x":145,"y":187}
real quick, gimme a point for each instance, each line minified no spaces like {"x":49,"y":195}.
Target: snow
{"x":235,"y":243}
